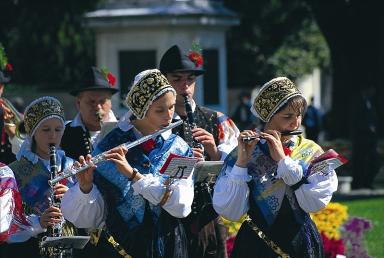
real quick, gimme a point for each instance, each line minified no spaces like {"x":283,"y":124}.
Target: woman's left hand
{"x":59,"y":190}
{"x":273,"y":139}
{"x":117,"y":155}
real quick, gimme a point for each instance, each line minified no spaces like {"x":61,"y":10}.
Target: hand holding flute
{"x":85,"y":178}
{"x":117,"y":155}
{"x":102,"y":156}
{"x":249,"y":138}
{"x":284,"y":133}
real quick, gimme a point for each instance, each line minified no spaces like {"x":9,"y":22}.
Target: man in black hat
{"x":93,"y":101}
{"x":218,"y":136}
{"x":81,"y":135}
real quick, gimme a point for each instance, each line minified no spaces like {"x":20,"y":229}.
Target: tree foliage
{"x":274,"y":38}
{"x":354,"y":32}
{"x":301,"y":52}
{"x":45,"y":40}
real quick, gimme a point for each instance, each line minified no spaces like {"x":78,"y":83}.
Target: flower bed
{"x":342,"y":235}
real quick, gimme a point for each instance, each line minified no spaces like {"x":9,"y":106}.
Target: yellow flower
{"x":329,"y":220}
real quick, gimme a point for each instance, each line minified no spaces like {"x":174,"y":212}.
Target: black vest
{"x":204,"y":118}
{"x":76,"y":142}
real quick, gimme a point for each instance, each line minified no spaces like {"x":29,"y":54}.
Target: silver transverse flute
{"x":285,"y":133}
{"x":100,"y":157}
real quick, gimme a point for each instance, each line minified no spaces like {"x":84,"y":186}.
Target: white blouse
{"x":89,"y":211}
{"x":231,"y":194}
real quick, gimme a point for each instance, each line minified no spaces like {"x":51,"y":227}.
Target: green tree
{"x":354,"y":31}
{"x":46,"y":41}
{"x":274,"y":38}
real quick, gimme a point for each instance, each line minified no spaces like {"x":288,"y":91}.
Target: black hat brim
{"x":196,"y":72}
{"x":77,"y":91}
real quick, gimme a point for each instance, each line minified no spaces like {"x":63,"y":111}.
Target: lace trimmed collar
{"x":26,"y":152}
{"x":77,"y":121}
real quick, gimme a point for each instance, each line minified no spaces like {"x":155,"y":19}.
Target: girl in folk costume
{"x":212,"y":135}
{"x":12,"y":217}
{"x":268,"y":179}
{"x":127,"y":198}
{"x":44,"y":125}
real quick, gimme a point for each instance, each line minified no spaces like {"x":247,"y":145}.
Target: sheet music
{"x":326,"y":162}
{"x":322,"y":167}
{"x":207,"y":170}
{"x":179,"y":167}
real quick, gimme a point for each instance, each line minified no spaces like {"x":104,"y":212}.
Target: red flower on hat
{"x":109,"y":76}
{"x":111,"y":79}
{"x":9,"y":67}
{"x":195,"y":55}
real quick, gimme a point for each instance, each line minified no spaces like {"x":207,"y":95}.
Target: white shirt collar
{"x":77,"y":121}
{"x":26,"y":152}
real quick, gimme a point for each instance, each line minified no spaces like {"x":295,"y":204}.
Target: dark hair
{"x":296,"y":103}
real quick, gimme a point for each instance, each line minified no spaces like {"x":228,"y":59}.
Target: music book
{"x":178,"y":167}
{"x":207,"y":170}
{"x":327,"y":161}
{"x":65,"y":242}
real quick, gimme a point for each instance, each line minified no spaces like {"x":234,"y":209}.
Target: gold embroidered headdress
{"x":147,"y":87}
{"x":40,"y":110}
{"x":273,"y":95}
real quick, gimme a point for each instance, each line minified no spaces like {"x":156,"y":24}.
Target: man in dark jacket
{"x":217,"y":135}
{"x":93,"y":101}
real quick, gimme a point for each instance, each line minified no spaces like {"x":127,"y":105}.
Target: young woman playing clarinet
{"x":267,"y":178}
{"x":44,"y":125}
{"x":126,"y":198}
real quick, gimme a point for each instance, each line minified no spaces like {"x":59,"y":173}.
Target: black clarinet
{"x":55,"y":202}
{"x":191,"y":123}
{"x":57,"y":229}
{"x":202,"y":209}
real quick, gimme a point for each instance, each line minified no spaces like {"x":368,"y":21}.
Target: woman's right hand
{"x":245,"y":149}
{"x":50,"y":217}
{"x":85,"y":178}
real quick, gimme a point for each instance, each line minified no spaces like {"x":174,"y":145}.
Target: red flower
{"x":111,"y":79}
{"x":9,"y":67}
{"x":333,"y":247}
{"x":230,"y":243}
{"x":196,"y":57}
{"x":287,"y":151}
